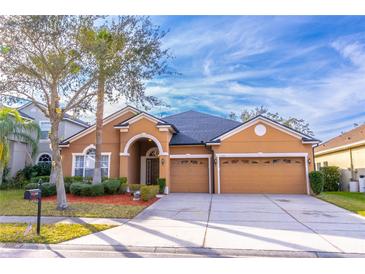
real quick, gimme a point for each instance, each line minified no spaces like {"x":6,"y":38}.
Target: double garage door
{"x":263,"y":175}
{"x":241,"y":175}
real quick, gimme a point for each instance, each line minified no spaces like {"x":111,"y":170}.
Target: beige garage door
{"x":263,"y":175}
{"x":189,"y":175}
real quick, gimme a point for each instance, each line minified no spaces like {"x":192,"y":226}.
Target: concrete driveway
{"x":239,"y":221}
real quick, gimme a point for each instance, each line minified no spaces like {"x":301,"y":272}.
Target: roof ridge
{"x":341,"y":134}
{"x":204,"y":113}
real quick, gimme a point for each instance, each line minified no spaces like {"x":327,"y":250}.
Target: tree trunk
{"x":1,"y":174}
{"x":99,"y":129}
{"x":57,"y":174}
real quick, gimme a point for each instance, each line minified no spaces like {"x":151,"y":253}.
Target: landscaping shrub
{"x":31,"y":186}
{"x":162,"y":184}
{"x":331,"y":176}
{"x":47,"y":188}
{"x":97,"y":190}
{"x":75,"y":188}
{"x":82,"y":189}
{"x":92,"y":190}
{"x":148,"y":192}
{"x":123,"y":180}
{"x":111,"y":186}
{"x":134,"y":187}
{"x":42,"y":169}
{"x":316,"y":181}
{"x":72,"y":179}
{"x":44,"y":179}
{"x":85,"y":190}
{"x":123,"y":189}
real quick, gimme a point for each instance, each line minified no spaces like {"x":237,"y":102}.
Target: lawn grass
{"x":50,"y":233}
{"x":352,"y":201}
{"x":13,"y":204}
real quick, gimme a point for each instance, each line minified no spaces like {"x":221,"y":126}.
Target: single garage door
{"x":263,"y":175}
{"x":189,"y":175}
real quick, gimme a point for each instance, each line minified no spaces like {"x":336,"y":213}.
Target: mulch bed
{"x":117,"y":199}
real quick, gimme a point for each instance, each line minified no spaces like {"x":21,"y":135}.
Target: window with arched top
{"x":152,"y":152}
{"x":84,"y":163}
{"x":44,"y":158}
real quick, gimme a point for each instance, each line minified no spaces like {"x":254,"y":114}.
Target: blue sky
{"x":301,"y":66}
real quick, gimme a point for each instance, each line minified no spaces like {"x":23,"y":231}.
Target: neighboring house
{"x":195,"y":152}
{"x":347,"y":151}
{"x":20,"y":156}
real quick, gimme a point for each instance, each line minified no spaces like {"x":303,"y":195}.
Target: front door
{"x":152,"y":170}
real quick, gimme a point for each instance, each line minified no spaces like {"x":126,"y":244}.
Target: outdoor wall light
{"x":162,"y":161}
{"x":309,"y":160}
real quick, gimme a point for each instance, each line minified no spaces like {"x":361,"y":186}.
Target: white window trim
{"x":84,"y":154}
{"x":42,"y":153}
{"x":198,"y":156}
{"x":258,"y":155}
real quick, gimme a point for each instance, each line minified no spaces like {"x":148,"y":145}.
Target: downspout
{"x":314,"y":158}
{"x":352,"y":165}
{"x":212,"y":168}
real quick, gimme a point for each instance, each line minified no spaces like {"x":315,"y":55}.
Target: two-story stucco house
{"x":20,"y":156}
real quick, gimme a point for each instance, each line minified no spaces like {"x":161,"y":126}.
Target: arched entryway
{"x":143,"y":161}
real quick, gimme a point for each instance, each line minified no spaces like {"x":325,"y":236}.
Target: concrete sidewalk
{"x":62,"y":220}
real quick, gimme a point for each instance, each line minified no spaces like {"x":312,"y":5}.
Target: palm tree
{"x":14,"y":128}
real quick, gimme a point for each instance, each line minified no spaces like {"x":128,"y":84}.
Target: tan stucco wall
{"x":149,"y":127}
{"x":110,"y":144}
{"x":274,"y":141}
{"x":340,"y":158}
{"x":134,"y":164}
{"x":189,"y":150}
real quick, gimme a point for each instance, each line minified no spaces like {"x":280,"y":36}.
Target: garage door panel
{"x":189,"y":175}
{"x":264,"y":175}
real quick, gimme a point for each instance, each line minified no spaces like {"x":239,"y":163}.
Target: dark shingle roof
{"x":196,"y":127}
{"x":25,"y":115}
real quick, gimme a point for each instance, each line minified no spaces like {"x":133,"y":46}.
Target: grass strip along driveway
{"x":13,"y":204}
{"x":354,"y":202}
{"x":50,"y":233}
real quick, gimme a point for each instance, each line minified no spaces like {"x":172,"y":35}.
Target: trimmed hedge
{"x":123,"y":189}
{"x":31,"y":186}
{"x":331,"y":176}
{"x":316,"y":181}
{"x":47,"y":188}
{"x":72,"y":179}
{"x":111,"y":186}
{"x":123,"y":180}
{"x":75,"y":188}
{"x":44,"y":179}
{"x":82,"y":189}
{"x":162,"y":184}
{"x":149,"y":191}
{"x":134,"y":187}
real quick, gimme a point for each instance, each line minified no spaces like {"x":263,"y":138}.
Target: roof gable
{"x":272,"y":123}
{"x":348,"y":139}
{"x":112,"y":117}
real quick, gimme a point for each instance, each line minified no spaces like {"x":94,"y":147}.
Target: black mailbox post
{"x":33,"y":194}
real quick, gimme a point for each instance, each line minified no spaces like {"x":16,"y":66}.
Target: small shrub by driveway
{"x":50,"y":233}
{"x":354,"y":202}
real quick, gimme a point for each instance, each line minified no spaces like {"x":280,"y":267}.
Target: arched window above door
{"x":152,"y":152}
